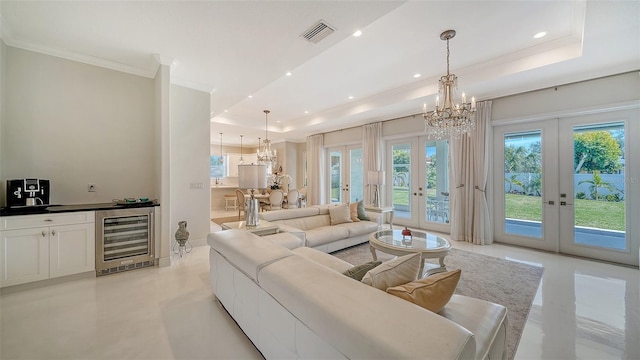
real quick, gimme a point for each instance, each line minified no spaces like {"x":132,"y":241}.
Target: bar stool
{"x":230,"y":202}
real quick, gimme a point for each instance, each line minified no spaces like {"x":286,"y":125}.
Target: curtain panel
{"x":315,"y":170}
{"x":470,"y":159}
{"x":371,"y":153}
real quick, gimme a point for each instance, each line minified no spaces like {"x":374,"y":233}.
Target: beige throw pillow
{"x":432,"y":293}
{"x":395,"y":272}
{"x":340,"y":214}
{"x":353,"y":210}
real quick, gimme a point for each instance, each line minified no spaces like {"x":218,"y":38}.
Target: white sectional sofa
{"x":313,"y":226}
{"x":297,"y":304}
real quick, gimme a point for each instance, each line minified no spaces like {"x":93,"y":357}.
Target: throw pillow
{"x":340,"y":214}
{"x":362,"y":213}
{"x":395,"y":272}
{"x":358,"y":272}
{"x":432,"y":293}
{"x":353,"y":211}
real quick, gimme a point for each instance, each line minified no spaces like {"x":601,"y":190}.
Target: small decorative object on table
{"x":182,"y":239}
{"x":406,"y":233}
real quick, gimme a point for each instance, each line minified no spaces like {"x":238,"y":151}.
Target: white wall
{"x":2,"y":92}
{"x":77,"y":124}
{"x":190,"y":199}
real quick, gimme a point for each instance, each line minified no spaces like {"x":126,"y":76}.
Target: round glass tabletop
{"x":418,"y":241}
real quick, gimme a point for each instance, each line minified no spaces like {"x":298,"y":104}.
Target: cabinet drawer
{"x":31,"y":221}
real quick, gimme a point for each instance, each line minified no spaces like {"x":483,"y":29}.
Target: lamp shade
{"x":376,"y":177}
{"x":252,"y":176}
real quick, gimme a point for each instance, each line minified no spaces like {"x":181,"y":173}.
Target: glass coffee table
{"x":263,"y":228}
{"x":428,"y":245}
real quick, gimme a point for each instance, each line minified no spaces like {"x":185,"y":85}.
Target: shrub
{"x":581,"y":195}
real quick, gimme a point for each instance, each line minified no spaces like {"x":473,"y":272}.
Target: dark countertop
{"x":53,"y":209}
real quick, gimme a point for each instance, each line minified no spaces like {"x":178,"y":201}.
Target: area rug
{"x":504,"y":282}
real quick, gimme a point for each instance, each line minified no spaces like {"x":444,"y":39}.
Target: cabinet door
{"x":72,"y":249}
{"x":25,"y":256}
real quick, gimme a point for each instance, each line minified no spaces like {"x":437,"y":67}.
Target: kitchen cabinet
{"x":40,"y":247}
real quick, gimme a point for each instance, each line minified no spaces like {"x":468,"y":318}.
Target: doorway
{"x":419,"y":184}
{"x":565,"y":186}
{"x":346,"y":183}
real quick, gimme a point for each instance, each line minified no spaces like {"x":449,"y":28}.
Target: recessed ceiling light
{"x":350,"y":97}
{"x":278,"y":121}
{"x":250,"y":96}
{"x":225,"y":110}
{"x":288,"y":73}
{"x":306,"y":111}
{"x":357,"y":33}
{"x":416,"y":75}
{"x":540,"y":35}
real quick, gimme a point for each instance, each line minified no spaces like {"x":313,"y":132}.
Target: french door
{"x":346,"y":183}
{"x":419,"y":183}
{"x":568,"y":185}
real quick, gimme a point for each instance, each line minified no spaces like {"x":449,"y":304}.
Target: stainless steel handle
{"x":564,"y":203}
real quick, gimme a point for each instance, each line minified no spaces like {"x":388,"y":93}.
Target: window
{"x":216,"y":166}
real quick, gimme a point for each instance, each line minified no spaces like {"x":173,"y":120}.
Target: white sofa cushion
{"x":248,"y":252}
{"x":325,"y":259}
{"x":394,"y":272}
{"x":348,"y":315}
{"x":360,"y":228}
{"x":325,"y":234}
{"x":487,"y":322}
{"x":288,"y":240}
{"x":288,"y":214}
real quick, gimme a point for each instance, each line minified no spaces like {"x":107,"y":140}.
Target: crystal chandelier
{"x":265,"y":154}
{"x":449,"y":119}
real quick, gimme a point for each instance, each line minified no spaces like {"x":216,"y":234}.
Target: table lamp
{"x":252,"y":177}
{"x":376,"y":178}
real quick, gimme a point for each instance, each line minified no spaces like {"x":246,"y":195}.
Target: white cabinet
{"x":39,"y":247}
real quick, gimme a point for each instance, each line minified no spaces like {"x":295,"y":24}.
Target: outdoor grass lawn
{"x":589,"y":213}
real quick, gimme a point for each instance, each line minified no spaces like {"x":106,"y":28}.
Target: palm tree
{"x":596,"y":184}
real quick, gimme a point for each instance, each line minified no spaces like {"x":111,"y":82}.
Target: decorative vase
{"x":182,"y":235}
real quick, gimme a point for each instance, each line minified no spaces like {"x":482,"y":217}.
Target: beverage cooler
{"x":124,"y":240}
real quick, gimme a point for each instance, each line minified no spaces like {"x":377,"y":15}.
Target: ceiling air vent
{"x":317,"y":32}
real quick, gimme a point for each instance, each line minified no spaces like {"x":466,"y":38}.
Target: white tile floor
{"x":583,"y":310}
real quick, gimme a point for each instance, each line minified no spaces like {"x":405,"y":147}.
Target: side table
{"x":382,"y":210}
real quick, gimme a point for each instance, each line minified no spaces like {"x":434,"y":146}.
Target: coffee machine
{"x":27,"y":192}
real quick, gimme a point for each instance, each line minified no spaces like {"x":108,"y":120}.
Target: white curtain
{"x":470,"y":158}
{"x":371,"y":152}
{"x":315,"y":170}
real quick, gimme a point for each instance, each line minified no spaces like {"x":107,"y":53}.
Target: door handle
{"x":420,"y":194}
{"x":564,"y":203}
{"x":550,"y":202}
{"x":44,"y":233}
{"x":53,"y":232}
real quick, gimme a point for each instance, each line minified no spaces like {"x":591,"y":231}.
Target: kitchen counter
{"x":53,"y":209}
